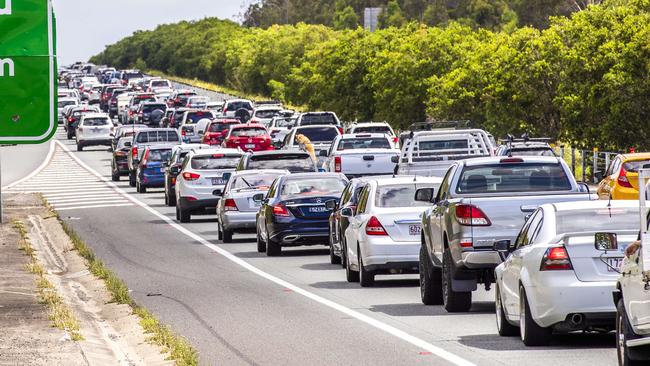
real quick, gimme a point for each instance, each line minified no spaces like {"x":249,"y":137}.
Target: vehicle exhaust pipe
{"x":577,"y":319}
{"x":290,"y":238}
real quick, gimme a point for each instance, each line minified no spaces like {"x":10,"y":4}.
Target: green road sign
{"x":28,"y":74}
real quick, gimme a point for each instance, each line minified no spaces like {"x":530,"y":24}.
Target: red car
{"x":217,"y":130}
{"x":248,"y":137}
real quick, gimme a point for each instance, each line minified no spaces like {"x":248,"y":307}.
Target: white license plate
{"x":414,"y":229}
{"x":613,"y":263}
{"x":218,"y":181}
{"x":249,"y":146}
{"x":318,"y":209}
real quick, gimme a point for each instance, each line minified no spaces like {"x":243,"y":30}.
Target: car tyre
{"x":430,"y":280}
{"x":172,"y":200}
{"x":503,"y":326}
{"x":69,"y":135}
{"x":115,"y":176}
{"x":261,"y":245}
{"x":219,"y":231}
{"x":80,"y":146}
{"x":227,"y":235}
{"x":141,"y":188}
{"x":454,"y":302}
{"x":531,"y":334}
{"x":350,"y":274}
{"x":623,"y":334}
{"x":366,"y":277}
{"x":344,"y":253}
{"x":273,"y":248}
{"x":166,"y":199}
{"x":131,"y":179}
{"x":333,"y":258}
{"x":183,"y":215}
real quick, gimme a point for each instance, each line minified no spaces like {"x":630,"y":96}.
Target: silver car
{"x":237,"y":209}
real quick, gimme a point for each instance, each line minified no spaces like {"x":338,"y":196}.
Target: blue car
{"x":151,"y":167}
{"x":293,"y":213}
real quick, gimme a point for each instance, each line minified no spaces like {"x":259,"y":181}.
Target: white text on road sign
{"x":6,"y":64}
{"x":7,"y":8}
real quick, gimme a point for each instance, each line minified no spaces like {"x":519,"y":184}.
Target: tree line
{"x":584,"y":80}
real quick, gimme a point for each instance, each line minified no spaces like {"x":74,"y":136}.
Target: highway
{"x":239,"y":307}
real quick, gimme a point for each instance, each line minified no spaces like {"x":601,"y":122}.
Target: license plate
{"x":218,"y":181}
{"x":615,"y":263}
{"x":318,"y":209}
{"x":414,"y":229}
{"x":249,"y":146}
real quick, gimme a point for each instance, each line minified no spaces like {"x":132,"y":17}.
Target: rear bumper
{"x":622,"y":193}
{"x":300,"y":233}
{"x":385,"y":253}
{"x":485,"y":259}
{"x":236,"y":220}
{"x":152,"y":180}
{"x":95,"y":142}
{"x":197,"y":205}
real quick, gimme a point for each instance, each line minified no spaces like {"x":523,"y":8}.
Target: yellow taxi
{"x":621,"y":178}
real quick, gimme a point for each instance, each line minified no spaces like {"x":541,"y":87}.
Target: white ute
{"x":360,"y":154}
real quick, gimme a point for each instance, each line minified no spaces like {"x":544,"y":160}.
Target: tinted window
{"x":374,"y":129}
{"x":513,"y":177}
{"x":96,"y":122}
{"x":443,"y":145}
{"x":258,"y":181}
{"x":219,"y":127}
{"x":532,"y":152}
{"x":364,"y":143}
{"x":318,"y":119}
{"x":218,"y":161}
{"x":402,"y":195}
{"x":295,"y":163}
{"x":157,"y":83}
{"x":317,"y":186}
{"x":159,"y":155}
{"x":251,"y":132}
{"x":133,"y":75}
{"x":269,"y":113}
{"x":318,"y":134}
{"x":157,"y":136}
{"x":233,"y":106}
{"x":634,"y":166}
{"x":611,"y":220}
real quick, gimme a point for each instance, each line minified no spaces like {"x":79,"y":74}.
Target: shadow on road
{"x":419,"y":309}
{"x":494,"y":342}
{"x":303,"y":252}
{"x":321,"y":266}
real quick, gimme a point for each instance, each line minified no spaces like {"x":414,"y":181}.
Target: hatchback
{"x":94,"y":129}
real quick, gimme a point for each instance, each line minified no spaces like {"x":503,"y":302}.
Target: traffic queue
{"x":444,"y":201}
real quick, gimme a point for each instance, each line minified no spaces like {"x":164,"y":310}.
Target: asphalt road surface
{"x":239,"y":307}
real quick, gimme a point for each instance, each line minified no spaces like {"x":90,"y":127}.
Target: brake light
{"x":134,"y":151}
{"x":189,"y":176}
{"x":395,"y":139}
{"x":337,"y":164}
{"x":279,"y":210}
{"x":622,"y":178}
{"x":466,"y":243}
{"x":340,"y":129}
{"x":230,"y":205}
{"x":470,"y":215}
{"x":556,"y":259}
{"x":374,"y":227}
{"x":511,"y":160}
{"x":183,"y":132}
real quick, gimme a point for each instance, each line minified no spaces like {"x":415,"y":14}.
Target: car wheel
{"x":261,"y":245}
{"x":430,"y":280}
{"x":183,"y":215}
{"x":219,"y":231}
{"x":623,"y":334}
{"x":531,"y":334}
{"x":141,"y":188}
{"x":69,"y":135}
{"x":172,"y":200}
{"x":505,"y":329}
{"x":166,"y":199}
{"x":227,"y":236}
{"x":80,"y":147}
{"x":454,"y":302}
{"x":273,"y":248}
{"x":115,"y":176}
{"x":366,"y":277}
{"x":131,"y":179}
{"x":178,"y":215}
{"x":333,"y":258}
{"x":350,"y":275}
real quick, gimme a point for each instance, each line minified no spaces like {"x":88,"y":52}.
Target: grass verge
{"x":58,"y":312}
{"x":159,"y":334}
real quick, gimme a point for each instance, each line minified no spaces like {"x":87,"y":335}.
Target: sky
{"x":85,"y":27}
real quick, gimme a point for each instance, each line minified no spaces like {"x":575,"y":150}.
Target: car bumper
{"x":196,"y":205}
{"x":152,"y":180}
{"x":622,"y":193}
{"x":300,"y":233}
{"x":95,"y":141}
{"x":484,"y":259}
{"x":123,"y":168}
{"x":237,"y":220}
{"x":555,"y":296}
{"x":385,"y":253}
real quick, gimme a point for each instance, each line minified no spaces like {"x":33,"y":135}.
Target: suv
{"x":179,"y":98}
{"x":145,"y":137}
{"x":94,"y":129}
{"x":150,"y":171}
{"x":233,"y":105}
{"x":150,"y":113}
{"x":173,"y":168}
{"x":525,"y":147}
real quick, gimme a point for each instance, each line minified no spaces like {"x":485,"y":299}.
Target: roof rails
{"x":524,"y":138}
{"x":435,"y":125}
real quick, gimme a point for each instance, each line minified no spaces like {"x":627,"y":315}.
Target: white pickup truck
{"x":431,"y":153}
{"x":361,"y":154}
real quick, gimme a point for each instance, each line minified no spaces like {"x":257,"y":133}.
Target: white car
{"x":123,"y":101}
{"x":233,"y":105}
{"x":203,"y":176}
{"x":94,"y":129}
{"x":373,"y":127}
{"x":280,"y":127}
{"x":263,"y":114}
{"x":68,"y":93}
{"x":237,"y":208}
{"x":154,"y":85}
{"x":360,"y":155}
{"x":554,"y":278}
{"x":383,"y":235}
{"x":63,"y":103}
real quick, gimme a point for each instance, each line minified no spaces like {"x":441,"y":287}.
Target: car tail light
{"x":340,"y":129}
{"x":183,"y":132}
{"x":466,"y":243}
{"x":189,"y":176}
{"x":374,"y":227}
{"x":395,"y":139}
{"x":622,"y":178}
{"x":120,"y":153}
{"x":556,"y":259}
{"x":230,"y":205}
{"x":337,"y":164}
{"x":470,"y":215}
{"x":279,"y":210}
{"x":134,"y":151}
{"x":511,"y":160}
{"x":173,"y":180}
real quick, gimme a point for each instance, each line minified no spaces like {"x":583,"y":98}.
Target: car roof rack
{"x":524,"y":138}
{"x":436,"y":125}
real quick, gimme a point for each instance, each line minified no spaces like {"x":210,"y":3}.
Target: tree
{"x":436,"y":14}
{"x":392,"y":15}
{"x":345,"y":17}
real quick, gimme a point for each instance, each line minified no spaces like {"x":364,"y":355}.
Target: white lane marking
{"x":59,"y":190}
{"x":59,"y":185}
{"x":89,"y":198}
{"x":92,"y":206}
{"x":77,"y":194}
{"x":446,"y":355}
{"x":95,"y":202}
{"x":35,"y":171}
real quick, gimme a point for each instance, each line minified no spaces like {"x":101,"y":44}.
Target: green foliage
{"x":583,"y":80}
{"x":345,"y":17}
{"x":392,"y":15}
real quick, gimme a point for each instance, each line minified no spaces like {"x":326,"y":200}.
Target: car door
{"x":437,"y":212}
{"x":354,"y":225}
{"x":636,"y":293}
{"x":514,"y":263}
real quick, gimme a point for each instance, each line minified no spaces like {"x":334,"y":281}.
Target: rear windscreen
{"x":542,"y":151}
{"x":257,"y":181}
{"x":159,"y":155}
{"x":157,"y":83}
{"x":248,"y":132}
{"x":364,"y":143}
{"x":219,"y":127}
{"x":318,"y":119}
{"x":295,"y":163}
{"x":133,"y":75}
{"x":96,"y":122}
{"x":266,"y":113}
{"x":601,"y":219}
{"x":157,"y":136}
{"x":402,"y":195}
{"x":513,"y":177}
{"x":286,"y":122}
{"x":318,"y":134}
{"x":317,"y":186}
{"x":373,"y":129}
{"x":443,"y":146}
{"x":634,"y":166}
{"x":215,"y":162}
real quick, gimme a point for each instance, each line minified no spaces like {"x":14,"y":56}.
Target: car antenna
{"x":415,"y":178}
{"x":510,"y":139}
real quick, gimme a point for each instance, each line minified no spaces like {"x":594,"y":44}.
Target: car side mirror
{"x":127,"y":144}
{"x":330,"y":205}
{"x":394,"y":159}
{"x":425,"y":195}
{"x":259,"y":197}
{"x":175,"y":170}
{"x":502,"y":246}
{"x":606,"y":241}
{"x":347,"y":212}
{"x":322,"y":153}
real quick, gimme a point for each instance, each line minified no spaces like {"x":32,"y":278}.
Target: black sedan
{"x":293,"y":213}
{"x":339,"y":223}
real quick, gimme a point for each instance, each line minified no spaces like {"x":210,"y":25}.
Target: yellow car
{"x":621,"y":178}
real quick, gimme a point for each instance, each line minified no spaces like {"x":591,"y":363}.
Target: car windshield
{"x":607,"y":219}
{"x":286,"y":122}
{"x":133,"y":75}
{"x":318,"y":134}
{"x":364,"y":143}
{"x":248,"y":132}
{"x":317,"y":186}
{"x":64,"y":103}
{"x":158,"y":83}
{"x":318,"y":119}
{"x":193,"y":117}
{"x":373,"y":129}
{"x":198,"y":100}
{"x":216,"y":161}
{"x":513,"y":177}
{"x":159,"y":155}
{"x":634,"y":166}
{"x":152,"y":107}
{"x":402,"y":195}
{"x":295,"y":163}
{"x":94,"y":122}
{"x":540,"y":151}
{"x":233,"y":106}
{"x":257,"y":181}
{"x":220,"y":127}
{"x":267,"y":113}
{"x":157,"y":136}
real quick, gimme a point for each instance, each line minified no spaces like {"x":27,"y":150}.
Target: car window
{"x":157,"y":136}
{"x":523,"y":237}
{"x":399,"y":195}
{"x":257,"y":181}
{"x":634,"y":166}
{"x":159,"y":155}
{"x":266,"y":113}
{"x":317,"y":134}
{"x":219,"y":127}
{"x":363,"y":143}
{"x":531,"y":151}
{"x":215,"y":161}
{"x":64,"y":103}
{"x":317,"y":186}
{"x":233,"y":106}
{"x":96,"y":122}
{"x":444,"y":187}
{"x":248,"y":132}
{"x":286,"y":122}
{"x":295,"y":163}
{"x":346,"y":195}
{"x":373,"y":129}
{"x":363,"y":200}
{"x":513,"y":177}
{"x":318,"y":119}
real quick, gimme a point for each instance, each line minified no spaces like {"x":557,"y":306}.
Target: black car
{"x":150,"y":113}
{"x":293,"y":213}
{"x":120,"y":163}
{"x":293,"y":161}
{"x":339,"y":223}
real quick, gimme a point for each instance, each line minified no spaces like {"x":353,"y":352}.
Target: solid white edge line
{"x":93,"y":206}
{"x":35,"y":171}
{"x":94,"y":202}
{"x":446,"y":355}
